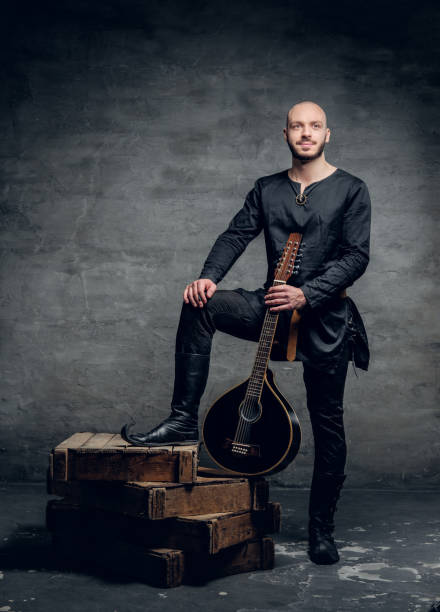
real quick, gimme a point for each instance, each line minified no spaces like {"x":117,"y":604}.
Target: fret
{"x":253,"y":395}
{"x":257,"y":384}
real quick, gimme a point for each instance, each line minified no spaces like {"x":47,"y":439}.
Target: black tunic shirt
{"x":335,"y":224}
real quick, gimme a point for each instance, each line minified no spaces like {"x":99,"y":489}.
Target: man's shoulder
{"x":269,"y":178}
{"x":351,"y":179}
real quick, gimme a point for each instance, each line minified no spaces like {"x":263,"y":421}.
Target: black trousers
{"x":231,"y":312}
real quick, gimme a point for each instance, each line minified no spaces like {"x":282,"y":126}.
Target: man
{"x":331,"y":209}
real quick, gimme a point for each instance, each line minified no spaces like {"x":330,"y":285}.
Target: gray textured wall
{"x":131,"y":132}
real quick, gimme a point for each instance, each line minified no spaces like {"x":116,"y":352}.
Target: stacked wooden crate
{"x":151,"y":514}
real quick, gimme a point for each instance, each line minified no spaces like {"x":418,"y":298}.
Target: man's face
{"x":306,"y":133}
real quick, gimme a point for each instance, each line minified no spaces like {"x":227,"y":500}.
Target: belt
{"x":293,"y":331}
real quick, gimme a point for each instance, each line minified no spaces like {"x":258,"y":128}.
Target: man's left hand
{"x":284,"y":297}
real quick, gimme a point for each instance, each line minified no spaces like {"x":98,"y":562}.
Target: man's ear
{"x":285,"y":134}
{"x":327,"y":138}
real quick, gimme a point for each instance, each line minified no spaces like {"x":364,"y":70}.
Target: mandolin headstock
{"x":290,"y":260}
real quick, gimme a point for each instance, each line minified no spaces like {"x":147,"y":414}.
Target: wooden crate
{"x":107,"y":457}
{"x":156,"y":501}
{"x":162,"y":567}
{"x":258,"y":554}
{"x":207,"y":534}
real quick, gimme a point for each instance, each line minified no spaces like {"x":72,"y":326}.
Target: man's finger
{"x":191,"y":296}
{"x":279,"y":308}
{"x":201,"y":291}
{"x":186,"y":294}
{"x":276,"y":296}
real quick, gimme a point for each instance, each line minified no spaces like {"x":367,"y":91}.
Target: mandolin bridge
{"x":242,"y":449}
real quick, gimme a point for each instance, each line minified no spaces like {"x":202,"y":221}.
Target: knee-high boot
{"x":324,"y":495}
{"x":181,"y":426}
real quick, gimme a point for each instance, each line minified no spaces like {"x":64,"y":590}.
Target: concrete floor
{"x":390,"y":560}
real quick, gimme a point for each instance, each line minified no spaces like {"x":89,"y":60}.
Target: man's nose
{"x":306,"y":132}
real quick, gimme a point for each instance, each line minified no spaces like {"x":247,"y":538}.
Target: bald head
{"x":306,"y":131}
{"x":298,"y":111}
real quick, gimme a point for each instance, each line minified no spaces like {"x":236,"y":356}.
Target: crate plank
{"x":99,"y":440}
{"x":161,"y":567}
{"x":206,"y":534}
{"x":220,"y":531}
{"x":76,"y":440}
{"x":107,"y":457}
{"x":164,"y":567}
{"x":157,"y":501}
{"x":258,"y":554}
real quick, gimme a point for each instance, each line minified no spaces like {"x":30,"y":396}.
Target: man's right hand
{"x":198,"y":292}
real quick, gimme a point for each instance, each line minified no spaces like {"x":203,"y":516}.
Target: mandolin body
{"x":273,"y":439}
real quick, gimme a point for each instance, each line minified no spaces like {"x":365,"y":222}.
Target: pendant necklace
{"x":300,"y":198}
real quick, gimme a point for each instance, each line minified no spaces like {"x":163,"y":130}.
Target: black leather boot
{"x":181,"y":427}
{"x":324,"y":495}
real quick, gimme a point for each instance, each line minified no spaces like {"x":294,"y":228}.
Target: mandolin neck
{"x":265,"y":342}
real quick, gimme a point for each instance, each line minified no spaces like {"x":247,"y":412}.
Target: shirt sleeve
{"x":354,"y":251}
{"x":228,"y":247}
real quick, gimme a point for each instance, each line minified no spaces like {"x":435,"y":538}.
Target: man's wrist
{"x":306,"y":299}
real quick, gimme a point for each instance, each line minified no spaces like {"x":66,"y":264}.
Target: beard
{"x":305,"y":158}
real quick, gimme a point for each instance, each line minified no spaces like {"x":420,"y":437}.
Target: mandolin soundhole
{"x":250,"y":410}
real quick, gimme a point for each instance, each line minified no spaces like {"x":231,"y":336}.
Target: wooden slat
{"x":58,"y":464}
{"x":163,"y":500}
{"x":197,"y":534}
{"x":227,"y":529}
{"x":258,"y":554}
{"x":163,"y":567}
{"x":205,"y":498}
{"x":119,"y":442}
{"x":187,"y":467}
{"x":98,"y":441}
{"x":105,"y":456}
{"x":111,"y":465}
{"x":260,"y":493}
{"x":114,"y":441}
{"x":77,"y":440}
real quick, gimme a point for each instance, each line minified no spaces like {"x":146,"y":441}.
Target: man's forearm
{"x":340,"y":276}
{"x":228,"y":247}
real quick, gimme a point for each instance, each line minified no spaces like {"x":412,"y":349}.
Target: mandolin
{"x":251,"y":429}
